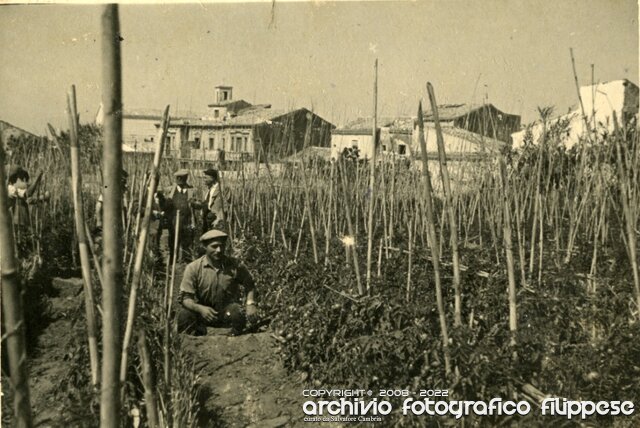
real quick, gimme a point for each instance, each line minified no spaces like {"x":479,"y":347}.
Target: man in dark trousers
{"x":179,"y":197}
{"x":213,"y":205}
{"x":213,"y":288}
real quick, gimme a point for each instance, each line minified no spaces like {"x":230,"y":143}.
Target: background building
{"x":600,"y":101}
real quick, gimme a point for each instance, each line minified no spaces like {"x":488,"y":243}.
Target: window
{"x":245,"y":143}
{"x":196,"y":143}
{"x":223,"y":142}
{"x":402,"y":149}
{"x":216,"y":113}
{"x":384,"y":147}
{"x":210,"y":143}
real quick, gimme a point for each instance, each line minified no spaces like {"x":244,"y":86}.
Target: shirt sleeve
{"x":188,"y":284}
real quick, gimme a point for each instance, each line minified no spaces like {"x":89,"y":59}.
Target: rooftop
{"x":227,"y":103}
{"x":490,"y":144}
{"x":249,"y":117}
{"x":364,"y":125}
{"x":448,"y":112}
{"x":156,"y":114}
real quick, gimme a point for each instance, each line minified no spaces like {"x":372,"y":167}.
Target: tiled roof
{"x":247,"y":118}
{"x":364,"y":125}
{"x":228,"y":103}
{"x":452,"y":111}
{"x":490,"y":144}
{"x":156,"y":114}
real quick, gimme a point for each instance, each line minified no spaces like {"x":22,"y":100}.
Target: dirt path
{"x":242,"y":378}
{"x":244,"y":382}
{"x":49,"y":366}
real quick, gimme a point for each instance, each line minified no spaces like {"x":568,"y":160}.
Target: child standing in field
{"x":20,"y":197}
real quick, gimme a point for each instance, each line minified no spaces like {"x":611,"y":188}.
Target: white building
{"x":398,"y":137}
{"x":600,"y":101}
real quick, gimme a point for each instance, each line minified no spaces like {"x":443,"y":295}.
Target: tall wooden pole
{"x":433,"y":240}
{"x":110,"y":406}
{"x":508,"y":247}
{"x":372,"y":176}
{"x":76,"y":186}
{"x":13,"y":310}
{"x":141,"y":245}
{"x":446,"y":183}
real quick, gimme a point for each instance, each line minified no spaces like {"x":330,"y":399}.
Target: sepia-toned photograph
{"x":309,"y":213}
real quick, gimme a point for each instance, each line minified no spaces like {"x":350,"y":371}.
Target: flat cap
{"x":180,"y":173}
{"x":213,"y":234}
{"x":211,"y":172}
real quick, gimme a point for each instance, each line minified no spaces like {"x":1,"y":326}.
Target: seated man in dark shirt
{"x":212,"y":288}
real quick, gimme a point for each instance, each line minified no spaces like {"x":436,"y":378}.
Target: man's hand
{"x":209,"y":314}
{"x":252,"y":313}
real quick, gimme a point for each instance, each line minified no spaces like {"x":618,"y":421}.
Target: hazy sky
{"x":316,"y":54}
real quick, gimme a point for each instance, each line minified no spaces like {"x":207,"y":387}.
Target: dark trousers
{"x":185,"y":244}
{"x":192,"y":323}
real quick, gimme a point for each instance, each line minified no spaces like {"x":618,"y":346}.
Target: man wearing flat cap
{"x":213,"y":288}
{"x":179,"y":197}
{"x":213,"y":205}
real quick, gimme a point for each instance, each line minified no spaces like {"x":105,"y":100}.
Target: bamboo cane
{"x":110,"y":408}
{"x":353,"y":246}
{"x":96,"y":261}
{"x":513,"y":316}
{"x":444,"y":172}
{"x":13,"y":315}
{"x":372,"y":177}
{"x":76,"y":186}
{"x":307,"y":202}
{"x":168,"y":302}
{"x":433,"y":244}
{"x":300,"y":229}
{"x":584,"y":115}
{"x":329,"y":213}
{"x":141,"y":245}
{"x":148,"y":380}
{"x":629,"y":212}
{"x":410,"y":261}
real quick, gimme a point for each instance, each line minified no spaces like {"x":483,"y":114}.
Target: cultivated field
{"x":520,"y":282}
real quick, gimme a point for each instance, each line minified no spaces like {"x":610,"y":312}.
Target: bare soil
{"x":242,"y":379}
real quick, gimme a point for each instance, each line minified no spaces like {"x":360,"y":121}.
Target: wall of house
{"x":285,"y":135}
{"x":339,"y":142}
{"x":393,"y":143}
{"x":208,"y":142}
{"x":490,"y":122}
{"x":453,"y":144}
{"x":604,"y":99}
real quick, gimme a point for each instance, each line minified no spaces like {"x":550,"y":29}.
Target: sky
{"x":316,"y":54}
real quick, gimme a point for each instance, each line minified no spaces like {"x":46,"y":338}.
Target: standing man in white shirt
{"x":213,"y":205}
